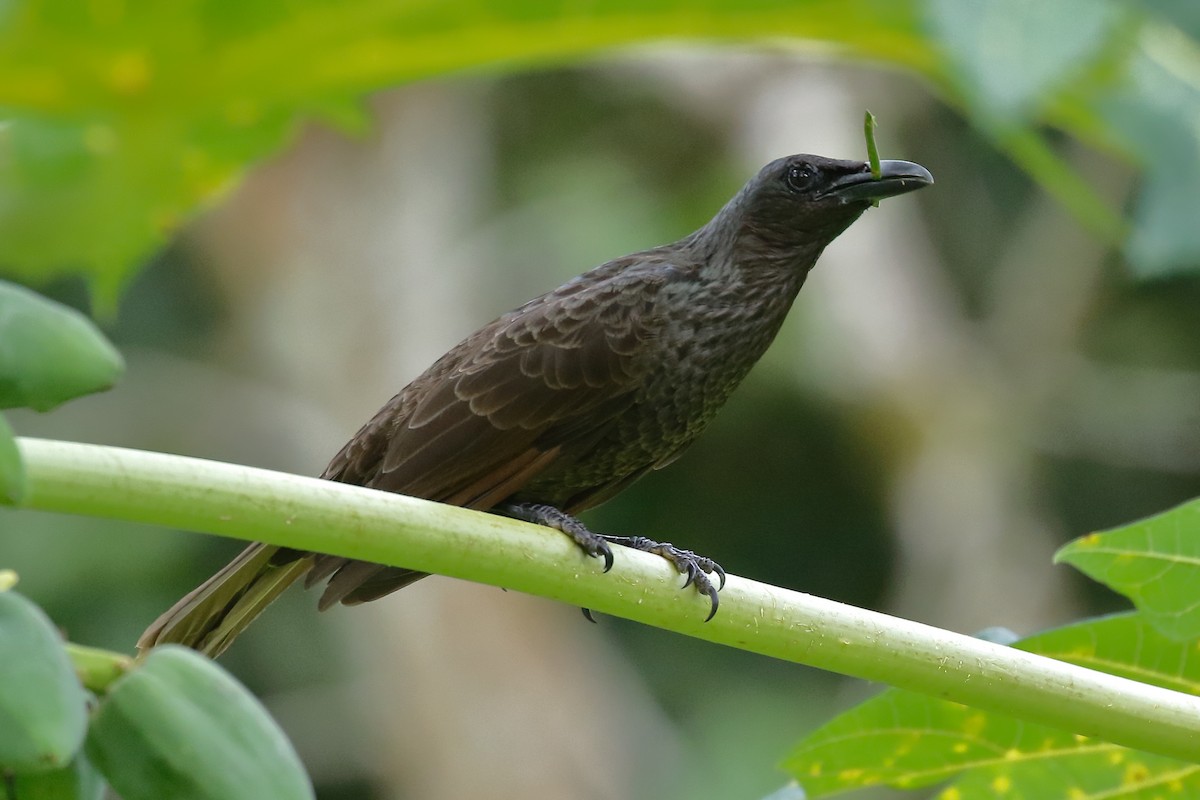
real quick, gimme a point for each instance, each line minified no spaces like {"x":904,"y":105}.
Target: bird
{"x":560,"y":404}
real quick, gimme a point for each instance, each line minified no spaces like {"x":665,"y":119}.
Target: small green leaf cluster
{"x":49,"y":354}
{"x":174,"y":725}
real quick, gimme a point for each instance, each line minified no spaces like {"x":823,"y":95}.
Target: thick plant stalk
{"x":309,"y":514}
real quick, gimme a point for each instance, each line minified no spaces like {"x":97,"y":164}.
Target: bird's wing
{"x":531,"y":388}
{"x":502,"y":405}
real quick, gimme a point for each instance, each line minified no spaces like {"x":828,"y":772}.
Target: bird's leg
{"x":695,"y":568}
{"x":541,"y":514}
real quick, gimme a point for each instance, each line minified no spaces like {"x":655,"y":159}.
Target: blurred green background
{"x":972,"y":375}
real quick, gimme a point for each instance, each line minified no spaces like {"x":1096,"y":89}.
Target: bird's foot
{"x":695,"y":567}
{"x":540,"y":514}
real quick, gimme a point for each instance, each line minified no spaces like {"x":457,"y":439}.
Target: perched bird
{"x":560,"y":404}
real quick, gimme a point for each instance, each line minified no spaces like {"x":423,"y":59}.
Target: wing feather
{"x":500,"y":408}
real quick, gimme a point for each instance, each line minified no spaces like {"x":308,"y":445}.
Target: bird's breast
{"x":708,"y":340}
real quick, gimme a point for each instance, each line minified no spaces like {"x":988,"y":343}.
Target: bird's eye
{"x":800,"y":177}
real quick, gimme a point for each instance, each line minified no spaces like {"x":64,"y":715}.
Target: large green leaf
{"x":908,"y":740}
{"x":124,"y":118}
{"x":1009,"y":55}
{"x":130,"y":116}
{"x":1154,"y":562}
{"x":1016,"y":63}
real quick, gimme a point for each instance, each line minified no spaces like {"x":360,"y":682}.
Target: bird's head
{"x":805,"y":201}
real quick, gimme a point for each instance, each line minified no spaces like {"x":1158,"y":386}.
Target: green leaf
{"x":129,"y":117}
{"x":1128,"y":645}
{"x":908,"y":740}
{"x":1155,"y":118}
{"x":1154,"y":562}
{"x":49,"y":353}
{"x":13,"y":481}
{"x":1184,"y":13}
{"x":1010,"y":54}
{"x":1109,"y":773}
{"x":121,"y":122}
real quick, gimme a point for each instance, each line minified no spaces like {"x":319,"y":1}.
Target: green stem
{"x":309,"y":514}
{"x":1033,"y":154}
{"x":97,"y":669}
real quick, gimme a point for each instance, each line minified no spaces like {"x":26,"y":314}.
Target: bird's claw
{"x":697,"y":567}
{"x":694,"y":568}
{"x":692,"y":571}
{"x":593,"y":544}
{"x":711,"y":591}
{"x":600,"y":548}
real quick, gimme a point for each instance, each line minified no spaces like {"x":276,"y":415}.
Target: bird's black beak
{"x":895,"y":177}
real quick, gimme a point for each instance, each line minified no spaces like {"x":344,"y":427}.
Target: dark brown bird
{"x":559,"y":405}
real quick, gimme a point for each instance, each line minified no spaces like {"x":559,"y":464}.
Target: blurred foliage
{"x":79,"y":780}
{"x":1014,"y":55}
{"x":123,"y":118}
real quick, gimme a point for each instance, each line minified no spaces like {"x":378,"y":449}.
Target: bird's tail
{"x":209,"y":617}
